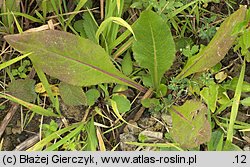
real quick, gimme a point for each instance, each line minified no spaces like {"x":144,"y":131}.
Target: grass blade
{"x":116,"y":20}
{"x":39,"y":146}
{"x":236,"y":102}
{"x":12,"y":61}
{"x":66,"y":138}
{"x":32,"y":107}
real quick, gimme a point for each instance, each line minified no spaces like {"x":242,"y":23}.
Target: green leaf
{"x":229,"y":146}
{"x":70,"y":58}
{"x":190,"y":125}
{"x":117,"y":113}
{"x":12,"y":61}
{"x":210,"y":95}
{"x":154,"y":48}
{"x":23,"y":89}
{"x":41,"y":144}
{"x":216,"y":142}
{"x":72,"y":95}
{"x":146,"y":79}
{"x":127,"y":64}
{"x":123,"y":104}
{"x":183,"y":42}
{"x":119,"y":88}
{"x":65,"y":139}
{"x":47,"y":5}
{"x":90,"y":26}
{"x":92,"y":95}
{"x":245,"y":102}
{"x":32,"y":107}
{"x":162,"y":90}
{"x":235,"y":105}
{"x":217,"y":48}
{"x":78,"y":26}
{"x":46,"y":86}
{"x":150,"y":102}
{"x":9,"y":6}
{"x":79,"y":5}
{"x":92,"y":141}
{"x":246,"y":37}
{"x":48,"y":129}
{"x":107,"y":22}
{"x":233,"y":83}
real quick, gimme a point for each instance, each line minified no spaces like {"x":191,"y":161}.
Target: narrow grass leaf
{"x":118,"y":2}
{"x":235,"y":106}
{"x":92,"y":141}
{"x":32,"y":107}
{"x":39,"y":146}
{"x":80,"y":4}
{"x":65,"y":139}
{"x":245,"y":130}
{"x":182,"y":8}
{"x":25,"y":16}
{"x":20,"y":30}
{"x":109,"y":20}
{"x":100,"y":140}
{"x":12,"y":61}
{"x":45,"y":84}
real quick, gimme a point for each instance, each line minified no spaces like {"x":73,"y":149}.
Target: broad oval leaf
{"x":190,"y":125}
{"x":154,"y":48}
{"x":92,"y":95}
{"x":245,"y":102}
{"x":210,"y":95}
{"x":217,"y":48}
{"x":123,"y":104}
{"x":23,"y":89}
{"x":127,"y":64}
{"x":72,"y":95}
{"x":70,"y":58}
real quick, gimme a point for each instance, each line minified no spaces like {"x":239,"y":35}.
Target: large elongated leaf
{"x":217,"y":48}
{"x":190,"y":126}
{"x":154,"y":48}
{"x":70,"y":58}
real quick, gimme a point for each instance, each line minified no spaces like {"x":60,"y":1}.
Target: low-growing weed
{"x":89,"y":70}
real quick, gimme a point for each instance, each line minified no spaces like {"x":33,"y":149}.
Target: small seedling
{"x":22,"y":69}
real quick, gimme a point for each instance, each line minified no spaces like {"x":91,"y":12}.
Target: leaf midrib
{"x":199,"y":58}
{"x":138,"y":86}
{"x":155,"y":57}
{"x":208,"y":47}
